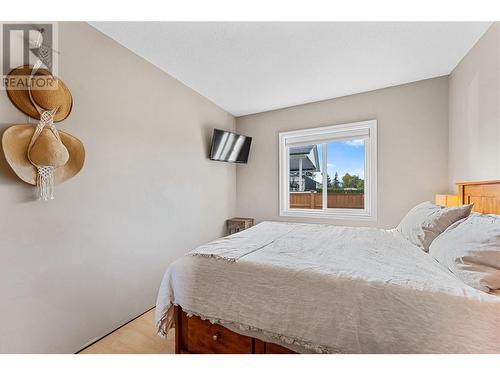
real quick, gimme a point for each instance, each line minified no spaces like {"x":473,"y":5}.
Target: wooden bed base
{"x":196,"y":336}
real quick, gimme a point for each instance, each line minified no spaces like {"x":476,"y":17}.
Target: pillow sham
{"x":471,"y":251}
{"x":424,"y":222}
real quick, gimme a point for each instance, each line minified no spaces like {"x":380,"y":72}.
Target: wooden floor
{"x":137,"y":337}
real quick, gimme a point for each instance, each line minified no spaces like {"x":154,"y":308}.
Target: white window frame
{"x":366,"y":130}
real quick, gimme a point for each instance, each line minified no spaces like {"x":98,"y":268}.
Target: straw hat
{"x":55,"y":149}
{"x":47,"y":92}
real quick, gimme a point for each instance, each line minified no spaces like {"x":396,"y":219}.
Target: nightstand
{"x":446,"y":200}
{"x":237,"y":224}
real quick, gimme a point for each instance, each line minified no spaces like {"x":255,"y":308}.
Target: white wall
{"x":76,"y":268}
{"x":412,"y":147}
{"x":474,"y":153}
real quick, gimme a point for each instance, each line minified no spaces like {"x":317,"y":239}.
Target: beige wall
{"x":412,"y":147}
{"x":75,"y":268}
{"x":474,"y":117}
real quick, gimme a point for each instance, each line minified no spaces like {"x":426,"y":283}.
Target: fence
{"x":335,"y":200}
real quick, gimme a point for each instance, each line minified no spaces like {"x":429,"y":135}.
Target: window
{"x":330,"y":171}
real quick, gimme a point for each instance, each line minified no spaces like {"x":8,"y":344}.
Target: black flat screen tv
{"x":230,"y":147}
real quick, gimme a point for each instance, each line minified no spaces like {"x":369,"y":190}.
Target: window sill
{"x":339,"y":214}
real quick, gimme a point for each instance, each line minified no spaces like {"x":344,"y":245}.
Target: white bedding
{"x":324,"y":288}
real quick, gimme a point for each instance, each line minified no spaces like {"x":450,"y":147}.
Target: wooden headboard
{"x":484,"y":194}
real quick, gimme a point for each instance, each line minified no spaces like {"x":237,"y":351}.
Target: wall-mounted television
{"x":230,"y":147}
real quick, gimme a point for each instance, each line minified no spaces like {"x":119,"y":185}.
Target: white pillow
{"x":471,"y":251}
{"x":424,"y":222}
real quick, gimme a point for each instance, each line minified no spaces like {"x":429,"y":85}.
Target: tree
{"x":352,"y":182}
{"x":336,"y":183}
{"x":360,"y":184}
{"x":328,"y":181}
{"x":346,"y":181}
{"x":355,"y":181}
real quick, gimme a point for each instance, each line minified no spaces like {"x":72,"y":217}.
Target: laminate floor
{"x":136,"y":337}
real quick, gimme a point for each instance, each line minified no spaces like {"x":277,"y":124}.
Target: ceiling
{"x":250,"y":67}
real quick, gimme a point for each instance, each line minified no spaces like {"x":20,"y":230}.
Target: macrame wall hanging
{"x":45,"y":172}
{"x":38,"y":153}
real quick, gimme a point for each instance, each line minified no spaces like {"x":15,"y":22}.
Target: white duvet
{"x":324,"y":288}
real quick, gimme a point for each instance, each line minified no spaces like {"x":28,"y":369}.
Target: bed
{"x":310,"y":288}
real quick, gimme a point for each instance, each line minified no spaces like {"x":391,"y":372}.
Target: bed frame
{"x":484,"y":194}
{"x":197,"y":336}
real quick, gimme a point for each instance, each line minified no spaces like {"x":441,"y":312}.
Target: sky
{"x":343,"y":157}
